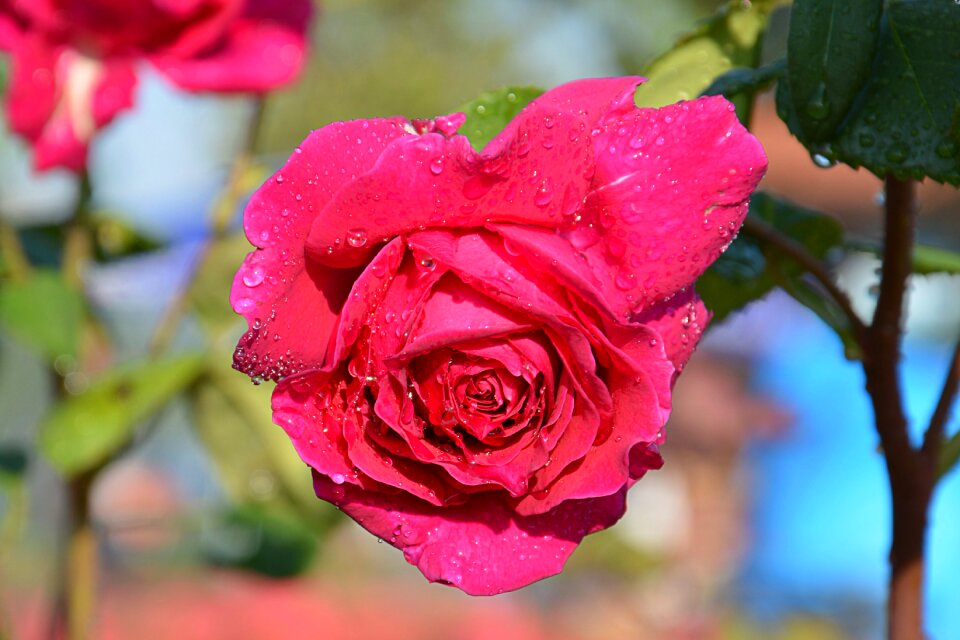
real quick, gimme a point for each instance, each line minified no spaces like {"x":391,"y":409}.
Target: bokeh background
{"x":769,"y":519}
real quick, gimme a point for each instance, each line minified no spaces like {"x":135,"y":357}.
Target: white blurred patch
{"x":658,"y":513}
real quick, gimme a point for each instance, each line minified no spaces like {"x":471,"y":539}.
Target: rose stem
{"x":77,"y":243}
{"x":221,"y":214}
{"x":75,"y":591}
{"x":911,"y":474}
{"x":82,"y":559}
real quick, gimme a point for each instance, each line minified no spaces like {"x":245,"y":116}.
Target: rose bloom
{"x":74,"y":61}
{"x":475,"y":351}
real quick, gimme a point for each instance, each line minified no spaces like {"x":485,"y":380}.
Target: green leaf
{"x":13,"y":461}
{"x":750,"y":267}
{"x":489,"y":113}
{"x":44,"y":312}
{"x":84,"y":430}
{"x":830,"y":48}
{"x":745,"y":80}
{"x":729,"y":39}
{"x":115,"y":238}
{"x":926,"y":258}
{"x":905,"y":119}
{"x":268,"y":542}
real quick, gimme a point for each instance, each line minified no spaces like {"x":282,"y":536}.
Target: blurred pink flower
{"x":74,"y":61}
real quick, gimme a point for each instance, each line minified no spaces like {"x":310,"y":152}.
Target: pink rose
{"x":74,"y":61}
{"x":476,"y":351}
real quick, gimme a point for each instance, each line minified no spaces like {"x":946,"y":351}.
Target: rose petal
{"x":309,"y":409}
{"x":277,"y":290}
{"x":33,"y":90}
{"x":113,"y":92}
{"x":319,"y":411}
{"x":690,"y":166}
{"x":605,"y":468}
{"x":478,"y":259}
{"x":481,"y":547}
{"x":455,"y":313}
{"x":680,"y":321}
{"x":262,"y":49}
{"x":440,"y":181}
{"x":11,"y":29}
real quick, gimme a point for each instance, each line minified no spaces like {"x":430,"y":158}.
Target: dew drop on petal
{"x":244,"y":305}
{"x":625,"y":280}
{"x":544,"y":194}
{"x":338,"y":478}
{"x":357,"y":237}
{"x":253,"y":277}
{"x":436,"y":166}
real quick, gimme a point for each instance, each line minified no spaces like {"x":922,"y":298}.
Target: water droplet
{"x":244,"y":305}
{"x":253,"y":277}
{"x":279,"y":178}
{"x":338,"y":478}
{"x":257,"y":380}
{"x":544,"y":194}
{"x":356,"y":237}
{"x":897,"y":153}
{"x":947,"y":149}
{"x":625,"y":280}
{"x":822,"y":161}
{"x":436,"y":166}
{"x":477,"y":186}
{"x":427,"y":263}
{"x":481,"y":109}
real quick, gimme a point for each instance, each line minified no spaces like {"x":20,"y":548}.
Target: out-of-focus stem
{"x":78,"y":244}
{"x":221,"y":215}
{"x":14,"y":256}
{"x":82,"y":560}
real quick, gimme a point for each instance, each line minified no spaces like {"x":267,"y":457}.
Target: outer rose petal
{"x":481,"y":547}
{"x":439,"y":181}
{"x":33,"y":91}
{"x":10,"y":28}
{"x":680,"y":321}
{"x":261,"y":50}
{"x":278,"y":290}
{"x":689,"y":166}
{"x":113,"y":92}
